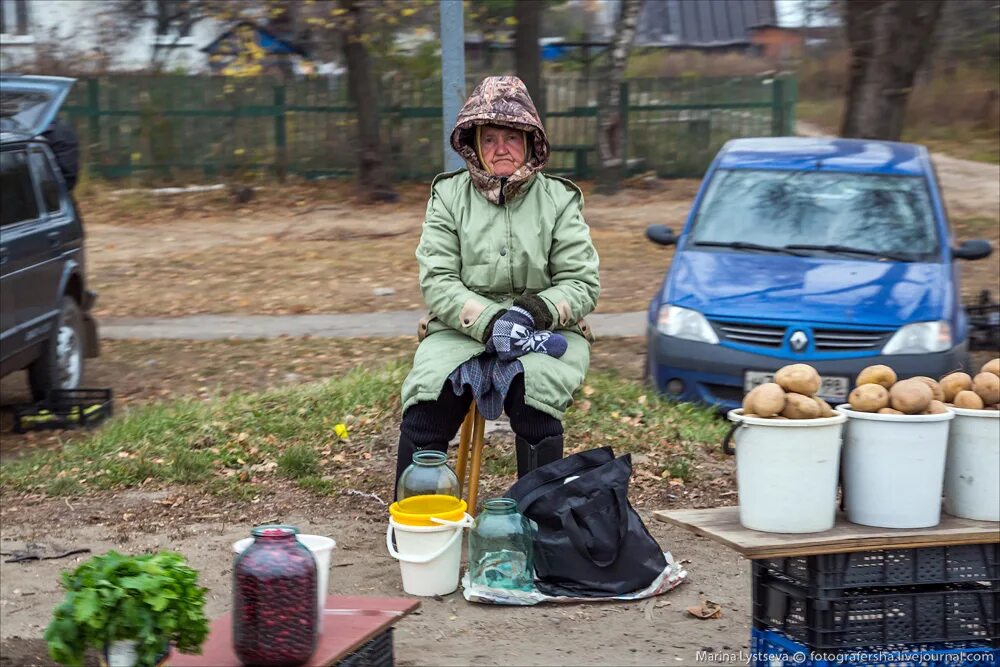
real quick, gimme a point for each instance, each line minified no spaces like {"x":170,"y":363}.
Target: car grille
{"x":725,"y":392}
{"x":751,"y":334}
{"x":839,"y":340}
{"x":824,"y":340}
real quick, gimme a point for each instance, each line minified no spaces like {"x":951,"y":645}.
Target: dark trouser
{"x":432,"y":424}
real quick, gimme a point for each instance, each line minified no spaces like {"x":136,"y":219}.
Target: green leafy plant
{"x":153,"y":599}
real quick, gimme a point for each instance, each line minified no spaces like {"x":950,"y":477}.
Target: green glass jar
{"x":428,"y":475}
{"x":500,"y":547}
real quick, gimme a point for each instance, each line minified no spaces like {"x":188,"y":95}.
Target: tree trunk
{"x":610,"y":133}
{"x":372,"y":173}
{"x":527,"y":54}
{"x":889,"y":41}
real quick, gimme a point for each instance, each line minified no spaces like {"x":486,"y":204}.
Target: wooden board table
{"x":348,"y":624}
{"x":722,"y":524}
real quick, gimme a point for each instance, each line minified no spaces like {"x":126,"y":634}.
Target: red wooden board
{"x":348,"y":624}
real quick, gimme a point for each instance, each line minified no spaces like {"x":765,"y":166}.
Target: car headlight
{"x":685,"y":323}
{"x":920,"y":337}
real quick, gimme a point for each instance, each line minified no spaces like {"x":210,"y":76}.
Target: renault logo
{"x":798,"y":341}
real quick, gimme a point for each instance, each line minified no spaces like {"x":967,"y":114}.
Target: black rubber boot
{"x":531,"y":456}
{"x":404,"y":457}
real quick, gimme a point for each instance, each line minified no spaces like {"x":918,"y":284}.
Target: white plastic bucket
{"x":893,"y":468}
{"x":429,"y":556}
{"x":972,"y":470}
{"x":786,"y":472}
{"x":321,"y":548}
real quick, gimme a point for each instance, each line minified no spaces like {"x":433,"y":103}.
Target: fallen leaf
{"x":707,"y":610}
{"x":588,"y":390}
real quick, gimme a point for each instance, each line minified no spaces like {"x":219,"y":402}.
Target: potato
{"x":954,"y":383}
{"x":878,"y":374}
{"x":969,"y":400}
{"x":992,"y":366}
{"x":869,"y":398}
{"x":798,"y":406}
{"x":889,"y":411}
{"x":769,"y":400}
{"x":936,"y":408}
{"x":910,"y":396}
{"x":824,"y":408}
{"x":798,"y":379}
{"x":987,"y":386}
{"x":934,"y":385}
{"x":748,"y":401}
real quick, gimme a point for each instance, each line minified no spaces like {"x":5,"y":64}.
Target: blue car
{"x":831,"y":252}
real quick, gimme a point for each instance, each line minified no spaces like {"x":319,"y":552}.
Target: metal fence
{"x":166,"y":126}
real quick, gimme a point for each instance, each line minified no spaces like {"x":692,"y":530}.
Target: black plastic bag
{"x":590,"y":541}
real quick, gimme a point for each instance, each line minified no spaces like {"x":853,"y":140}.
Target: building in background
{"x":85,"y":35}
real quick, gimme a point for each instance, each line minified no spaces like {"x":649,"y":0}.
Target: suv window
{"x":47,"y":183}
{"x":17,"y":195}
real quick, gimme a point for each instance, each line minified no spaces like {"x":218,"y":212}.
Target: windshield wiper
{"x":742,"y":245}
{"x":848,"y":250}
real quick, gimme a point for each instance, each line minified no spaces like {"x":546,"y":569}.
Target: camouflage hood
{"x":500,"y":100}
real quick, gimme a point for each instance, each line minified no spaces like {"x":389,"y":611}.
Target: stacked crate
{"x":941,"y":599}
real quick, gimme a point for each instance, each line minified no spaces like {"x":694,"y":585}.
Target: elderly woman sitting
{"x":508,"y":271}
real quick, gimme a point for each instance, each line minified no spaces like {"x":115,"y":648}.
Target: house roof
{"x":700,"y":23}
{"x":266,"y":40}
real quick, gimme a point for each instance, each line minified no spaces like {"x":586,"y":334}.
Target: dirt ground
{"x":302,"y":249}
{"x":315,"y":249}
{"x":204,"y":256}
{"x":446,"y":632}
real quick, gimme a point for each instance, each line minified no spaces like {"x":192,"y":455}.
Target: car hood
{"x":817,"y":289}
{"x":29,"y":104}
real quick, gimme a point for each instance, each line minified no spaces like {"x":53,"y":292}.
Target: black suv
{"x":45,"y":321}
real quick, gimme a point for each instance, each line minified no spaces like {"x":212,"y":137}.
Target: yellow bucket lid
{"x":418,"y":510}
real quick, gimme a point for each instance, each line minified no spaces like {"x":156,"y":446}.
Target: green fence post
{"x":791,"y":98}
{"x":93,"y":123}
{"x":623,"y":119}
{"x":777,"y":106}
{"x":280,"y":140}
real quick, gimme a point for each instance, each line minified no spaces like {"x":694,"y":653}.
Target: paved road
{"x":348,"y":325}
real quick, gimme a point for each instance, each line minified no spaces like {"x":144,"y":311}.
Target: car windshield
{"x":858,"y":215}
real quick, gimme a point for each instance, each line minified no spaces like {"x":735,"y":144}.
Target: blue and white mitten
{"x":514,"y":335}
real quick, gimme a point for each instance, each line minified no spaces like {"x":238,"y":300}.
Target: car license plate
{"x":831,"y":388}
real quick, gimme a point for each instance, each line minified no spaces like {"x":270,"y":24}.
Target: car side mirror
{"x":661,"y":235}
{"x":975,"y":249}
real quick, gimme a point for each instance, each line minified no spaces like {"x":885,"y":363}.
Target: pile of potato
{"x":792,"y":395}
{"x":974,"y":393}
{"x":879,"y":391}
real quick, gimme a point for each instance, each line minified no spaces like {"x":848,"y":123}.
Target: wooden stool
{"x":471,"y":440}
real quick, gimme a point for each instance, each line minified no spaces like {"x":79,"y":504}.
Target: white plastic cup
{"x":786,"y":472}
{"x":321,"y":548}
{"x":430,"y":557}
{"x":972,"y":469}
{"x":893,"y":468}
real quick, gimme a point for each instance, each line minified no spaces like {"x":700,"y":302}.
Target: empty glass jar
{"x":428,"y":475}
{"x":500,"y":547}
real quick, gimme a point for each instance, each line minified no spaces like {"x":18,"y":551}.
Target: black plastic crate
{"x":878,"y":616}
{"x":828,"y":575}
{"x":376,"y":653}
{"x":63,"y":409}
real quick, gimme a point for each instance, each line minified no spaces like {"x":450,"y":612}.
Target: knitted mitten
{"x":514,"y":335}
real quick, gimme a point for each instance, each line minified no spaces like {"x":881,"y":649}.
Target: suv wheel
{"x":61,"y":363}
